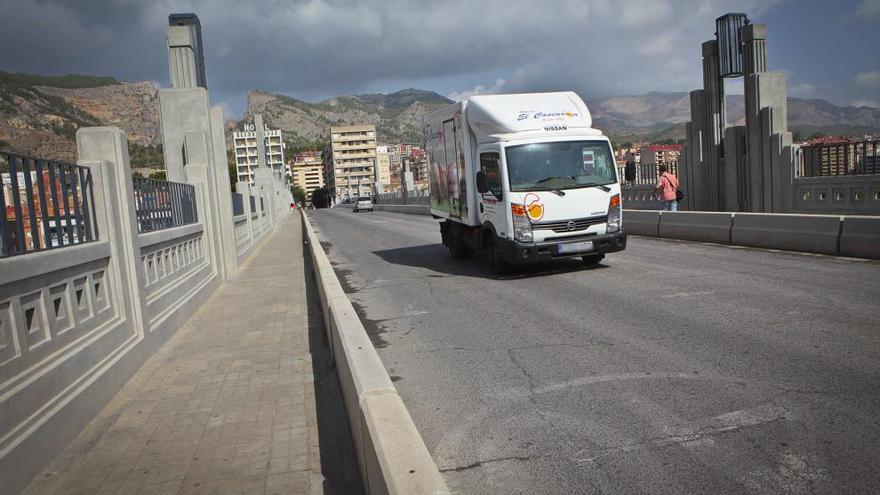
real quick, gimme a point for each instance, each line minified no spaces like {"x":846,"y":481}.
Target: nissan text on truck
{"x":523,"y":178}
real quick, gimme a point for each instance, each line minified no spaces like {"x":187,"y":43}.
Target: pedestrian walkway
{"x":228,"y":405}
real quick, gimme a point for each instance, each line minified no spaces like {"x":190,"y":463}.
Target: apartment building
{"x":308,"y":172}
{"x":383,"y":168}
{"x":245,"y":142}
{"x":350,"y":162}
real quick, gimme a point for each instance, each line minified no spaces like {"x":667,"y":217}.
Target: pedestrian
{"x":666,"y":189}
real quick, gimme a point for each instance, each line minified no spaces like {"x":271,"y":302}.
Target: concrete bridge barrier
{"x":391,"y":454}
{"x":641,"y":222}
{"x":696,"y":226}
{"x":828,"y":234}
{"x":412,"y":209}
{"x":809,"y":233}
{"x":860,"y":236}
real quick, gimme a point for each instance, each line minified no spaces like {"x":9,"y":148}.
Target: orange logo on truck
{"x":534,"y":207}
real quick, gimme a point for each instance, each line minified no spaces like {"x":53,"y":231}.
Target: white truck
{"x":523,"y":178}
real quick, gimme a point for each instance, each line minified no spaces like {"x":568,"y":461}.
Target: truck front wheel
{"x":498,"y":264}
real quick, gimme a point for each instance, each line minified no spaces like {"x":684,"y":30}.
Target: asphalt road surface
{"x":673,"y":367}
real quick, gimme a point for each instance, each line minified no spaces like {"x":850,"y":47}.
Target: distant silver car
{"x":363,"y":203}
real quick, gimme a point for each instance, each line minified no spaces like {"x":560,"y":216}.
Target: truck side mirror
{"x":630,"y":171}
{"x":481,"y":183}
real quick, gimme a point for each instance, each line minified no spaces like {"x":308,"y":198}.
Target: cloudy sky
{"x":314,"y":49}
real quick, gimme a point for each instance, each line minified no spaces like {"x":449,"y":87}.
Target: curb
{"x":391,"y":453}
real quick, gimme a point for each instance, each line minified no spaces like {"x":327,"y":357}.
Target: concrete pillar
{"x":684,"y":173}
{"x":199,"y":171}
{"x":782,"y":172}
{"x":105,"y":151}
{"x":181,"y":57}
{"x":261,"y":141}
{"x":763,"y":90}
{"x":244,"y":188}
{"x":714,"y":91}
{"x":754,"y":50}
{"x":264,"y":180}
{"x":700,"y":150}
{"x":223,"y":191}
{"x":180,"y":110}
{"x":735,"y":158}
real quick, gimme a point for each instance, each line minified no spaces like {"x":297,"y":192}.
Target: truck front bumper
{"x":536,"y":252}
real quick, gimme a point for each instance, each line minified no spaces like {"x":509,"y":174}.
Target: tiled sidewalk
{"x":226,"y":406}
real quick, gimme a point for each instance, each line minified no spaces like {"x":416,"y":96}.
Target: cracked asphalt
{"x":674,"y":367}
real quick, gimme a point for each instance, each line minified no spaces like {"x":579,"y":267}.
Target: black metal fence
{"x":829,"y":160}
{"x":163,"y":205}
{"x":237,"y":204}
{"x":46,"y":205}
{"x":648,"y":173}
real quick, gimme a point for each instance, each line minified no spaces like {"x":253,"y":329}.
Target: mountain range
{"x":39,"y":115}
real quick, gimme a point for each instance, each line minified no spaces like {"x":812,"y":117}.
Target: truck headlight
{"x":522,"y":227}
{"x":614,"y":209}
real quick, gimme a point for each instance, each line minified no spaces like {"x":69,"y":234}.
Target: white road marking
{"x":589,"y":380}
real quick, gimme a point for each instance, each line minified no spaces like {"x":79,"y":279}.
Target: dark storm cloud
{"x":329,"y":47}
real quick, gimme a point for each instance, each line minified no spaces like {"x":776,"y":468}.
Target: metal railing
{"x":163,"y":205}
{"x":648,"y":173}
{"x":46,"y":205}
{"x":830,"y":160}
{"x":237,"y":204}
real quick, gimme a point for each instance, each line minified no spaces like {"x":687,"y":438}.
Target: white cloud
{"x":479,"y":89}
{"x":868,"y":9}
{"x":869,"y":79}
{"x":866,"y":103}
{"x":802,"y":90}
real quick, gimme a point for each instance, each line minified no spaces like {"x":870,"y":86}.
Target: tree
{"x":158,"y":175}
{"x":321,"y":198}
{"x":233,"y":174}
{"x":299,"y":195}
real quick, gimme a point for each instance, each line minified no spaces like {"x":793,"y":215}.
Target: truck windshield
{"x":560,"y":165}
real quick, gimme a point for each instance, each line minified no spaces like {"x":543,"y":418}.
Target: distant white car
{"x":364,"y":203}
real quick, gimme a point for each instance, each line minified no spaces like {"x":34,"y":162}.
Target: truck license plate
{"x":576,"y":247}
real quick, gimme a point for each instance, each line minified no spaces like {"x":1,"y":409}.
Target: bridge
{"x":185,"y":336}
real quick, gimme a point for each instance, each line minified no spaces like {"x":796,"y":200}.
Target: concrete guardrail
{"x":412,"y":209}
{"x":860,"y":236}
{"x":809,"y":233}
{"x":828,"y":234}
{"x":391,"y":454}
{"x":696,"y":226}
{"x":641,"y":222}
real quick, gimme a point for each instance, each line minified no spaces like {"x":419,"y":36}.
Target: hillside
{"x":657,"y":116}
{"x":397,"y":116}
{"x":39,"y":115}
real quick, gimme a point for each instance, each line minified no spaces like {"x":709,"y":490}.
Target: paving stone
{"x":226,"y":406}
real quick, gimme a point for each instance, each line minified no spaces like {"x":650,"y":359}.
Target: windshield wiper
{"x":556,"y":190}
{"x":594,"y":184}
{"x":548,"y":179}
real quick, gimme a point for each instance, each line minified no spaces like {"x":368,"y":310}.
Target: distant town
{"x":352,"y":164}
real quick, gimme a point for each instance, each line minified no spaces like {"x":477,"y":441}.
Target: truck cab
{"x":524,"y":179}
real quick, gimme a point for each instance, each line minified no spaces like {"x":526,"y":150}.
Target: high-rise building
{"x":350,"y":162}
{"x":308,"y":172}
{"x":383,"y":168}
{"x":191,"y":21}
{"x":246,"y":153}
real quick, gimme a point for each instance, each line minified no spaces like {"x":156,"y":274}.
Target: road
{"x":673,"y":367}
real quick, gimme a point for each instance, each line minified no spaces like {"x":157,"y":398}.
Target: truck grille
{"x":563,"y":225}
